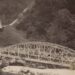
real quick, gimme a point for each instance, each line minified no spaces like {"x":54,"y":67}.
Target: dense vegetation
{"x":48,"y":20}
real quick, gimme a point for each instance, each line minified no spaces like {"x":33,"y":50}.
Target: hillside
{"x":48,"y":20}
{"x":10,"y":36}
{"x":9,"y":9}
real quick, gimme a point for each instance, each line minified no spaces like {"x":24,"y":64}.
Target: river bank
{"x":20,"y":70}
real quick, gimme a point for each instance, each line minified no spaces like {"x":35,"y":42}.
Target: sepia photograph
{"x":37,"y":37}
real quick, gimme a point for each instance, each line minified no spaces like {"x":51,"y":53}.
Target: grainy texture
{"x":48,"y":20}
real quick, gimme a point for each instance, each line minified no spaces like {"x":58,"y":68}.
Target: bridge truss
{"x":40,"y":52}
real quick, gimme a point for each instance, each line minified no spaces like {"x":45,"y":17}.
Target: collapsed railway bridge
{"x":40,"y":53}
